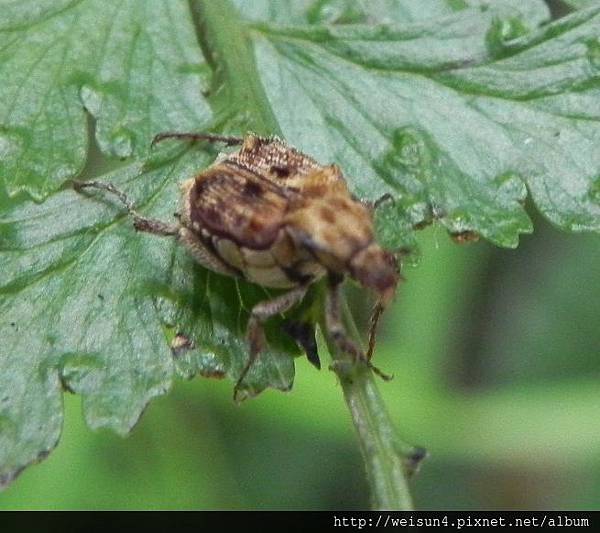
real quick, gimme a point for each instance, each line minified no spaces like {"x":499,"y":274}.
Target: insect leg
{"x":261,"y":312}
{"x":210,"y":137}
{"x":140,"y":223}
{"x":336,"y":330}
{"x":376,"y":204}
{"x":203,"y":254}
{"x":333,"y":320}
{"x":387,"y":197}
{"x":373,"y":321}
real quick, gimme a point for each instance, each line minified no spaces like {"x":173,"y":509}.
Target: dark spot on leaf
{"x":414,"y":459}
{"x":404,"y":251}
{"x":64,"y":384}
{"x":422,"y":225}
{"x":101,"y":297}
{"x":213,"y":373}
{"x":465,"y":237}
{"x":42,"y":455}
{"x":181,"y":344}
{"x":418,"y":454}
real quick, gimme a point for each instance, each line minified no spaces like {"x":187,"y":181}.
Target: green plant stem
{"x":226,"y":45}
{"x":388,"y":460}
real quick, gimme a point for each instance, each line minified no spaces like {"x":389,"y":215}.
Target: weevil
{"x":274,"y":216}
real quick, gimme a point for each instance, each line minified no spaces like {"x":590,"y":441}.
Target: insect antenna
{"x":210,"y":137}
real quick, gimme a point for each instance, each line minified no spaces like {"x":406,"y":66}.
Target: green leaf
{"x":90,"y":306}
{"x":134,"y":65}
{"x":426,"y":113}
{"x":580,"y":4}
{"x":383,"y":11}
{"x":455,"y":110}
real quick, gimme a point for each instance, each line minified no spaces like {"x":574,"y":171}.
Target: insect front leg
{"x":387,"y":197}
{"x":333,"y":320}
{"x":373,"y":321}
{"x":261,"y":312}
{"x":336,"y":330}
{"x":149,"y":225}
{"x":373,"y":205}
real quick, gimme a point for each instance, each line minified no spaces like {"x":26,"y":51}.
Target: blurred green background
{"x":496,"y":356}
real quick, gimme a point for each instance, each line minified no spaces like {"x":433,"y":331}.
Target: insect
{"x":272,"y":215}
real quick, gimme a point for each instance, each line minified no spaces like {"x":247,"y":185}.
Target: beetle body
{"x":274,"y":216}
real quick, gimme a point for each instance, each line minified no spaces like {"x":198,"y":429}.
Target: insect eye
{"x":280,"y":172}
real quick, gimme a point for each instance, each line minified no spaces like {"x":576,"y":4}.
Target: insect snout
{"x":376,"y":269}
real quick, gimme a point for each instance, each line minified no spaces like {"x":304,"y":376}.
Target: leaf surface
{"x":135,"y":65}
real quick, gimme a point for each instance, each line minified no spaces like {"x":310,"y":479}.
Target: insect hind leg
{"x":148,"y":225}
{"x":337,"y":332}
{"x":261,"y":312}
